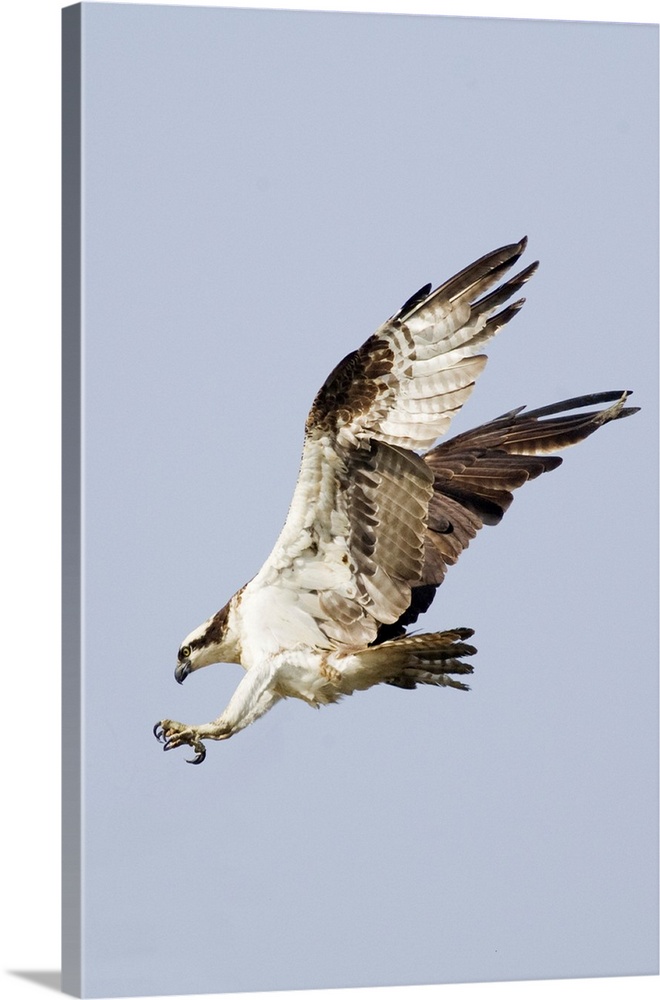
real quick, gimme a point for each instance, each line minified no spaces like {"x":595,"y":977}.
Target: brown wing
{"x":353,"y":545}
{"x":406,"y":382}
{"x":476,"y":472}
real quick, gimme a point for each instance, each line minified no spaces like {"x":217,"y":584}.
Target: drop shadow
{"x":50,"y":980}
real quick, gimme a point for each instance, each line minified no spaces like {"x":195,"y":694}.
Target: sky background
{"x":261,"y":190}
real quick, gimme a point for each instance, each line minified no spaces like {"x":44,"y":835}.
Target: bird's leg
{"x":252,"y":698}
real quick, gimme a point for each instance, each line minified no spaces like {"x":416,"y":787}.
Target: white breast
{"x":275,"y":618}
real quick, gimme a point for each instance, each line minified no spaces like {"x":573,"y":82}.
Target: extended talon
{"x":177,"y":740}
{"x":177,"y":734}
{"x":201,"y":754}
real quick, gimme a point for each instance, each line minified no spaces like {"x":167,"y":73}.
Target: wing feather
{"x":361,"y":504}
{"x":475,"y":474}
{"x":428,"y":349}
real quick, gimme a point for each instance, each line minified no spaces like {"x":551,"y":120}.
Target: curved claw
{"x":175,"y":734}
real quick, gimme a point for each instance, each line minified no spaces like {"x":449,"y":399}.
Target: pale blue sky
{"x":261,"y":191}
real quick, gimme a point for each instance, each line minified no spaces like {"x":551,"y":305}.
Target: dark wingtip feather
{"x":415,"y":300}
{"x":577,"y":402}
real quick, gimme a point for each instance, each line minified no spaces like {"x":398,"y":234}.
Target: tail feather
{"x":431,"y":658}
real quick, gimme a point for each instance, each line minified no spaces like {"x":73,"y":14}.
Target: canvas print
{"x":248,"y":196}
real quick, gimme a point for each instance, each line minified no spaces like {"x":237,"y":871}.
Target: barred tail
{"x":432,"y":658}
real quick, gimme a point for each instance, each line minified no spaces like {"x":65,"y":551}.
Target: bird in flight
{"x":373,"y":524}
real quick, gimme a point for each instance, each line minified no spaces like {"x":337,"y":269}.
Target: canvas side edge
{"x":71,"y":502}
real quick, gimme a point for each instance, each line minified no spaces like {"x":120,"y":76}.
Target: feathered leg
{"x":252,"y":698}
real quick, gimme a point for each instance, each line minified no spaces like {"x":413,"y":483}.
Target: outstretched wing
{"x":354,"y":543}
{"x":408,"y":380}
{"x":475,"y":473}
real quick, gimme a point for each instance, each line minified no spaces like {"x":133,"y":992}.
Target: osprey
{"x":373,"y":525}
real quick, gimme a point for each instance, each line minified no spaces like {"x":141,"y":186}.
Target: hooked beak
{"x":182,"y":670}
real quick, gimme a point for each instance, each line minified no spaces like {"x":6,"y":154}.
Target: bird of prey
{"x":373,"y":524}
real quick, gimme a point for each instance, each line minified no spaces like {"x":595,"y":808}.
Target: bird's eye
{"x":185,"y":652}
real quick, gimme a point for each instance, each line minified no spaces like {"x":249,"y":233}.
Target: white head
{"x":208,"y":643}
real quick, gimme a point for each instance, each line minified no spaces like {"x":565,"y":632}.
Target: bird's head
{"x":209,"y":643}
{"x":188,"y":659}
